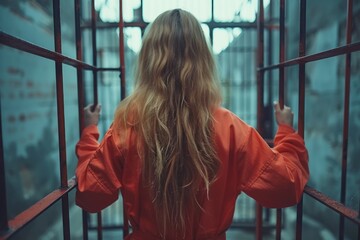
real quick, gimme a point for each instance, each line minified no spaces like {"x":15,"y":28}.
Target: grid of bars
{"x":9,"y":227}
{"x":300,"y":61}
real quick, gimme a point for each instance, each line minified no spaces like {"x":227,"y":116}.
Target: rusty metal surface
{"x":260,"y":64}
{"x":278,"y":223}
{"x":338,"y":207}
{"x":260,"y":99}
{"x":123,"y":87}
{"x":35,"y":210}
{"x":81,"y":95}
{"x":349,"y":48}
{"x":282,"y":54}
{"x":259,"y":222}
{"x":211,"y":24}
{"x":26,"y":46}
{"x":122,"y":52}
{"x":94,"y":51}
{"x":95,"y":86}
{"x":61,"y":120}
{"x":301,"y":110}
{"x":99,"y":227}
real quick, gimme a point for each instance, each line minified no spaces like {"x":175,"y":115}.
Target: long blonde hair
{"x":176,"y":92}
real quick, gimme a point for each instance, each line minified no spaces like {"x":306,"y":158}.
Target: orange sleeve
{"x":98,"y":172}
{"x":275,"y":177}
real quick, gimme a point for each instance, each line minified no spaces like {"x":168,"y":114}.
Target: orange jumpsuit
{"x":275,"y":177}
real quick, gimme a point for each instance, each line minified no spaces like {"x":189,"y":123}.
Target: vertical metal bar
{"x":61,"y":119}
{"x":3,"y":204}
{"x":94,"y":51}
{"x":301,"y":117}
{"x":359,"y":225}
{"x":80,"y":91}
{"x":95,"y":81}
{"x":282,"y":54}
{"x":281,"y":93}
{"x":278,"y":223}
{"x":123,"y":87}
{"x":260,"y":97}
{"x":99,"y":226}
{"x":259,"y":222}
{"x":121,"y":50}
{"x":211,"y":29}
{"x":79,"y":56}
{"x":245,"y":78}
{"x":260,"y":64}
{"x":212,"y":11}
{"x":270,"y":80}
{"x":346,"y":117}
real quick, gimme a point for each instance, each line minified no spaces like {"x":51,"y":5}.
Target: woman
{"x":178,"y":158}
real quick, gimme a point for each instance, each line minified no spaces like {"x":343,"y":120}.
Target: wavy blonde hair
{"x":175,"y":94}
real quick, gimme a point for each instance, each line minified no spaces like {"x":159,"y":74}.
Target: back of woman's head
{"x":176,"y":56}
{"x":175,"y":95}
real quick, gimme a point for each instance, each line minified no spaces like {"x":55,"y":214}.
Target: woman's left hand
{"x":91,"y":117}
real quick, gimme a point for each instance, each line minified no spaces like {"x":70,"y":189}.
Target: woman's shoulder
{"x":224,"y":120}
{"x":225,"y":115}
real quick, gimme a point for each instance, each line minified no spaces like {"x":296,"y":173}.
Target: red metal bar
{"x":211,"y":24}
{"x":122,"y":51}
{"x":95,"y":90}
{"x":81,"y":95}
{"x":30,"y":214}
{"x":282,"y":53}
{"x":25,"y":46}
{"x":349,"y":48}
{"x":61,"y":119}
{"x":103,"y":69}
{"x":259,"y":222}
{"x":281,"y":93}
{"x":99,"y":227}
{"x":94,"y":51}
{"x":269,"y":113}
{"x":278,"y":223}
{"x":95,"y":85}
{"x":260,"y":97}
{"x":3,"y":205}
{"x":301,"y":117}
{"x":79,"y":57}
{"x":346,"y":117}
{"x":338,"y":207}
{"x":359,"y":224}
{"x":123,"y":89}
{"x":260,"y":64}
{"x":245,"y":71}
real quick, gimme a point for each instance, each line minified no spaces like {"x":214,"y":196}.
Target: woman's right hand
{"x":283,"y":116}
